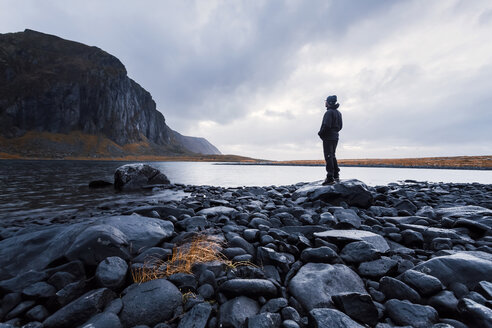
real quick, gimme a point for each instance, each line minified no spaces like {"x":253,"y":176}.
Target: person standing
{"x":331,"y":125}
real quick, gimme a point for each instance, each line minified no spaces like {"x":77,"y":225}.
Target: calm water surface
{"x":42,"y":188}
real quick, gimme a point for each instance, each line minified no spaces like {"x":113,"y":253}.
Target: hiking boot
{"x":328,"y":181}
{"x":337,"y":180}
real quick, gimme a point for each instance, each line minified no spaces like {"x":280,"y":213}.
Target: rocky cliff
{"x":51,"y":87}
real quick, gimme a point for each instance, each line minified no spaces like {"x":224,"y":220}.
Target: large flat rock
{"x":353,"y":192}
{"x":377,"y":241}
{"x":315,"y":283}
{"x":468,"y":268}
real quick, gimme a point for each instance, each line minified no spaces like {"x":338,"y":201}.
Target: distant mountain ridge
{"x":51,"y":86}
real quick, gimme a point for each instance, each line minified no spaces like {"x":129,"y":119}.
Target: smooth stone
{"x":290,"y":324}
{"x":249,"y":287}
{"x":20,"y":309}
{"x":348,"y":217}
{"x":475,"y":313}
{"x":152,"y":254}
{"x":23,"y":280}
{"x":315,"y":283}
{"x":485,"y":288}
{"x":236,"y":311}
{"x":323,"y":254}
{"x":377,"y":241}
{"x":80,"y":310}
{"x":135,"y":176}
{"x":353,"y":192}
{"x":331,"y":318}
{"x":423,"y":283}
{"x":39,"y":290}
{"x":207,"y":291}
{"x":37,"y":313}
{"x":468,"y":268}
{"x":111,"y":272}
{"x":61,"y":279}
{"x":265,"y":320}
{"x":359,"y":251}
{"x":377,"y":268}
{"x":218,"y":211}
{"x":394,"y":288}
{"x":415,"y":315}
{"x":103,"y":320}
{"x":445,"y":303}
{"x":149,"y":303}
{"x":357,"y":306}
{"x":289,"y":313}
{"x":197,"y":317}
{"x":274,"y":305}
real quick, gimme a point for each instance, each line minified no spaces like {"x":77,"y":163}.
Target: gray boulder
{"x":149,"y":303}
{"x":330,"y":318}
{"x":415,"y":315}
{"x":347,"y":236}
{"x":111,"y":272}
{"x":103,"y":320}
{"x":249,"y":287}
{"x":468,"y":268}
{"x":197,"y":317}
{"x":353,"y":192}
{"x":80,"y":310}
{"x":423,"y":283}
{"x":315,"y":283}
{"x":235,"y":312}
{"x":135,"y":176}
{"x":475,"y":313}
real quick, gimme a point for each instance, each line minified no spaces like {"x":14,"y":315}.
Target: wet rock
{"x":80,"y":310}
{"x":152,"y":254}
{"x":325,"y":317}
{"x":149,"y":303}
{"x":357,"y":306}
{"x":249,"y":287}
{"x":61,"y":279}
{"x":415,"y":315}
{"x":353,"y":192}
{"x":71,"y":292}
{"x":475,"y":313}
{"x":445,"y":303}
{"x":96,"y":243}
{"x":347,"y":236}
{"x":197,"y":317}
{"x":426,"y":285}
{"x":323,"y":254}
{"x":359,"y":251}
{"x":265,"y":320}
{"x":412,"y":238}
{"x":206,"y":291}
{"x":111,"y":272}
{"x":235,"y":312}
{"x":315,"y":283}
{"x":136,"y":176}
{"x":377,"y":268}
{"x":39,"y":290}
{"x":103,"y":320}
{"x":19,"y":309}
{"x":485,"y":288}
{"x":9,"y":302}
{"x":394,"y":288}
{"x":468,"y":268}
{"x":217,"y":211}
{"x":347,"y":217}
{"x":274,"y":305}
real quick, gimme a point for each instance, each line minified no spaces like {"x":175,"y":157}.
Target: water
{"x":42,"y":189}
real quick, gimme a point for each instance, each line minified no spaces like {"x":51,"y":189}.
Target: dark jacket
{"x":332,"y":124}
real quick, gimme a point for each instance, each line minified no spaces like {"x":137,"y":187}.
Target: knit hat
{"x":331,"y":99}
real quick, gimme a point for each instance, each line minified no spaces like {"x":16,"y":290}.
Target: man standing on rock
{"x":331,"y":125}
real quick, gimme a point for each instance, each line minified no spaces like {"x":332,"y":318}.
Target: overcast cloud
{"x":414,"y":78}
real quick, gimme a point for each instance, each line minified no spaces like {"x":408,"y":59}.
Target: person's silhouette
{"x":331,"y":125}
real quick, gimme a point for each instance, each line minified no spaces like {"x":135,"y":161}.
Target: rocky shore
{"x":413,"y":254}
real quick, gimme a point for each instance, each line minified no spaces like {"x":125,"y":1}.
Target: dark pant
{"x":329,"y":148}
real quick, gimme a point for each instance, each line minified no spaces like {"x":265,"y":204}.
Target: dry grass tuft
{"x":201,"y":249}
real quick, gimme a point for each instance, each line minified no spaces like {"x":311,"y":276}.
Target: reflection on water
{"x":43,"y":189}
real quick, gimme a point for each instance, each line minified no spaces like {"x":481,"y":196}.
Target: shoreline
{"x":368,"y":165}
{"x":389,"y":248}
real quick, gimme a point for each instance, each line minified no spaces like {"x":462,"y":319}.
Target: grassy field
{"x":483,"y":162}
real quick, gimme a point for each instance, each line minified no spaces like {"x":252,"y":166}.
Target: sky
{"x":413,"y":78}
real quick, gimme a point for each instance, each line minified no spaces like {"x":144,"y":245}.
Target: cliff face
{"x":48,"y":84}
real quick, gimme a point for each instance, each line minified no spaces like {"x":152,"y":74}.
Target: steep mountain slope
{"x":51,"y":86}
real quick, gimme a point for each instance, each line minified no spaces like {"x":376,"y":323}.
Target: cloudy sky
{"x":413,"y":78}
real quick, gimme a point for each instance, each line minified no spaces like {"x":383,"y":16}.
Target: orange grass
{"x":200,"y":249}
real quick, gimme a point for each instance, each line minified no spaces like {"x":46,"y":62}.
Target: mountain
{"x":60,"y":98}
